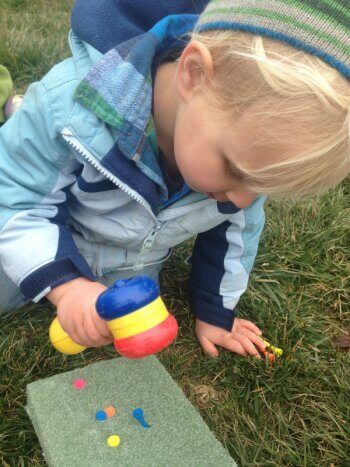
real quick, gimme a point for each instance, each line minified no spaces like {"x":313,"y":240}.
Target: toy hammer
{"x":136,"y":316}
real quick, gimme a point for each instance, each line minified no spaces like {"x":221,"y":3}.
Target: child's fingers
{"x":208,"y":347}
{"x":234,"y":346}
{"x":74,"y":329}
{"x":79,"y":338}
{"x":247,"y":344}
{"x":249,"y":325}
{"x":259,"y":343}
{"x":92,"y":337}
{"x":90,"y":329}
{"x":77,"y":335}
{"x":102,"y":327}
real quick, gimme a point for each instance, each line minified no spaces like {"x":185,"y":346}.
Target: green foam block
{"x":65,"y":423}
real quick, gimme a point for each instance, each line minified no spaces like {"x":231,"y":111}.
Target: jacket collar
{"x":118,"y":90}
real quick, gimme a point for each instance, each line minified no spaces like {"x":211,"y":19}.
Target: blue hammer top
{"x":126,"y":296}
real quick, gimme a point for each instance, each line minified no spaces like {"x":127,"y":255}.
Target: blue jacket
{"x":68,"y":168}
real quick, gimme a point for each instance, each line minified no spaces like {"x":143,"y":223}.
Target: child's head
{"x":284,"y":112}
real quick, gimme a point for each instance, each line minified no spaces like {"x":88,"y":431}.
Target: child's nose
{"x":239,"y":199}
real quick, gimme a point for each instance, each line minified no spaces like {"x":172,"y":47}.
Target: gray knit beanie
{"x":320,"y":27}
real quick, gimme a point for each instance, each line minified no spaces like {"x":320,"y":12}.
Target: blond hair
{"x":298,"y":98}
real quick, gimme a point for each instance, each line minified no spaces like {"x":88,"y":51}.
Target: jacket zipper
{"x":147,"y":245}
{"x":74,"y":142}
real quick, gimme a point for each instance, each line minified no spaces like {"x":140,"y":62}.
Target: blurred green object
{"x":6,"y":88}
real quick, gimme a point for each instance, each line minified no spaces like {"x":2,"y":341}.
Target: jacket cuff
{"x":43,"y":280}
{"x":210,"y":310}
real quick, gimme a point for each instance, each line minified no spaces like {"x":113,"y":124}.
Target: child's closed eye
{"x":236,"y":172}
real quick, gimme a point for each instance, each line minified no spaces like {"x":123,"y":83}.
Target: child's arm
{"x":222,"y":260}
{"x":36,"y":248}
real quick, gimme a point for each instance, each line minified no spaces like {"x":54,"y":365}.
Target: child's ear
{"x":194,"y":70}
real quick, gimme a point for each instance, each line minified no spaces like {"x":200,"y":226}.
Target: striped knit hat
{"x":320,"y":27}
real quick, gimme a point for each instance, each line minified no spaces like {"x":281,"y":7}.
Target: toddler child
{"x":184,"y":130}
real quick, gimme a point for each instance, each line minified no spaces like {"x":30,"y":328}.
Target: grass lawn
{"x":294,"y":413}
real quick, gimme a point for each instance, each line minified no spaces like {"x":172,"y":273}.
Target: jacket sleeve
{"x":221,"y":263}
{"x":37,"y":251}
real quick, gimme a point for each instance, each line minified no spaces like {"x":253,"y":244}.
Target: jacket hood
{"x":106,"y":23}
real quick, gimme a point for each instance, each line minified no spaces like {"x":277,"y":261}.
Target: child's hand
{"x":243,"y":339}
{"x":76,"y":312}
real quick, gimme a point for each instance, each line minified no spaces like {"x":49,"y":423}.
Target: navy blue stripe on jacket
{"x":206,"y":276}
